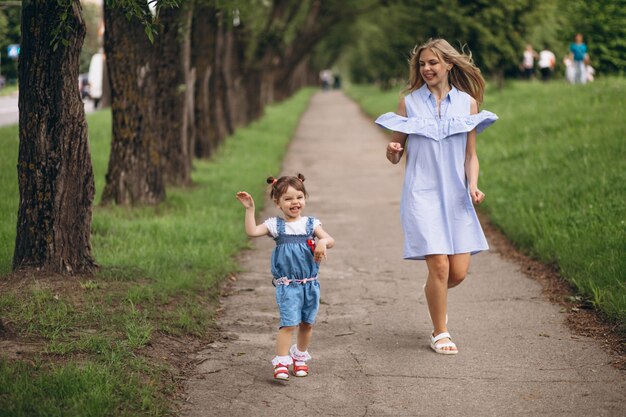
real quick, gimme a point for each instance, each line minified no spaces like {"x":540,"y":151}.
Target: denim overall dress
{"x":295,"y":275}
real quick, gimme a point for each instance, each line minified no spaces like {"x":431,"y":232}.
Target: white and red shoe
{"x":281,"y":372}
{"x":300,"y":368}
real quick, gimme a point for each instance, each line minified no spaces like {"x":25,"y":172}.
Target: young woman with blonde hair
{"x":436,"y":125}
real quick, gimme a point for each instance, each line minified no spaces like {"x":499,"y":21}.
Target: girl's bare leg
{"x":283,"y":340}
{"x":305,"y":330}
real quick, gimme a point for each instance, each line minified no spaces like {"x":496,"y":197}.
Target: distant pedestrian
{"x":326,"y":78}
{"x":569,"y":68}
{"x":546,"y":63}
{"x":295,"y":264}
{"x":580,"y":57}
{"x":437,"y":123}
{"x":590,"y":73}
{"x":528,"y":62}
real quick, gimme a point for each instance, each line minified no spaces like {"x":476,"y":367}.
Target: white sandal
{"x":439,"y":347}
{"x":431,"y":319}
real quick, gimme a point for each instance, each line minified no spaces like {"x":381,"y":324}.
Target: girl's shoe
{"x":439,"y":347}
{"x":300,"y":368}
{"x":431,"y":319}
{"x":281,"y":372}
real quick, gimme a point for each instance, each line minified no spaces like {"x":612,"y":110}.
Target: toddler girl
{"x":295,"y":263}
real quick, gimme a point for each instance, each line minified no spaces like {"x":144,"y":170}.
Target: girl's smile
{"x":433,"y":69}
{"x":291,"y":204}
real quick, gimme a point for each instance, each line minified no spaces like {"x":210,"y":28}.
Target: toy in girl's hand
{"x":311,"y":244}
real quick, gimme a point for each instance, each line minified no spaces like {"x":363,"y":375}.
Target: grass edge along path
{"x":554,"y":172}
{"x":107,"y":345}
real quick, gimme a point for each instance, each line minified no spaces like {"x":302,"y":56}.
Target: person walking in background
{"x":436,"y":123}
{"x":590,"y":73}
{"x":569,"y":68}
{"x":326,"y":77}
{"x":528,"y":62}
{"x":295,"y":264}
{"x":580,"y":58}
{"x":546,"y":63}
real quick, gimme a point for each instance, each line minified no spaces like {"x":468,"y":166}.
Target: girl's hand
{"x":393,"y":149}
{"x":394,"y":152}
{"x":246,"y":199}
{"x":477,"y":195}
{"x":320,"y":251}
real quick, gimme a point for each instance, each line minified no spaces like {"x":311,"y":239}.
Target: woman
{"x":436,"y":123}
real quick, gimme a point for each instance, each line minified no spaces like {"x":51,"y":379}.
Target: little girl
{"x":295,"y":263}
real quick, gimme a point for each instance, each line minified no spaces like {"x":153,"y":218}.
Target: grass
{"x":9,"y":90}
{"x":96,"y":337}
{"x":554,"y":171}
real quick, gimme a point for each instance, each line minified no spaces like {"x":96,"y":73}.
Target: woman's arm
{"x":471,"y":161}
{"x":395,"y":149}
{"x":252,"y":229}
{"x":325,"y":241}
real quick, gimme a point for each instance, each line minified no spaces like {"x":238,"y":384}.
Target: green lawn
{"x":158,"y":276}
{"x":554,"y":172}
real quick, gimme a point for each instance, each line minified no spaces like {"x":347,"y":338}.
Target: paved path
{"x":370,"y":347}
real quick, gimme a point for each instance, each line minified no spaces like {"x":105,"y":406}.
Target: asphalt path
{"x":371,"y":354}
{"x":9,"y":111}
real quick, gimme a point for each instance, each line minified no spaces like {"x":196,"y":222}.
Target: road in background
{"x":9,"y":112}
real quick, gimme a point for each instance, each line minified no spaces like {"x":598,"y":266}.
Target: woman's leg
{"x":459,"y":264}
{"x":437,"y":290}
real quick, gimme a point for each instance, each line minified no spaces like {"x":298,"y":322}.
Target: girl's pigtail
{"x":271,"y":180}
{"x":300,"y":177}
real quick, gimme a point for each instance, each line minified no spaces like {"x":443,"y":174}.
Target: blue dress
{"x":436,"y":208}
{"x":292,"y":258}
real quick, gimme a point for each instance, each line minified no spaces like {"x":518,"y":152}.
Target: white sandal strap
{"x":444,"y":345}
{"x":441,"y":336}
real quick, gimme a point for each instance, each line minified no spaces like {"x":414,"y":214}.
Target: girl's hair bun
{"x":270,"y":180}
{"x":300,"y":177}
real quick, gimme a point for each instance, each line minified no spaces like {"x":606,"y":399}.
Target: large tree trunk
{"x":213,"y":113}
{"x":201,"y":56}
{"x":135,"y":173}
{"x":171,"y":102}
{"x":228,"y":86}
{"x":54,"y":168}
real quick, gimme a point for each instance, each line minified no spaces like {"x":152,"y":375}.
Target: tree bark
{"x":211,"y":124}
{"x":172,"y":100}
{"x":54,"y":167}
{"x":135,"y":173}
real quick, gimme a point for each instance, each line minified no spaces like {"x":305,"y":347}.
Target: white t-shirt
{"x":546,"y":59}
{"x":528,"y":60}
{"x":291,"y":228}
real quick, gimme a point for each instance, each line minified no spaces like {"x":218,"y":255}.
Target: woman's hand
{"x":246,"y":199}
{"x":477,"y":195}
{"x":394,"y":152}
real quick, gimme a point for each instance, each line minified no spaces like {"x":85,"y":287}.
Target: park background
{"x":229,"y":82}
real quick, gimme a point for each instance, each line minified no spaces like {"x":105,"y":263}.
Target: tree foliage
{"x":603,"y":25}
{"x":495,"y":31}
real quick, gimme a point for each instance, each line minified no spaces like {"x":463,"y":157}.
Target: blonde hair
{"x":464,"y":75}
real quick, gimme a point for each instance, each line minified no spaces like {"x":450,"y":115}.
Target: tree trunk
{"x":135,"y":174}
{"x":203,"y":51}
{"x":228,"y":84}
{"x":211,"y":126}
{"x":54,"y":168}
{"x":173,"y":59}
